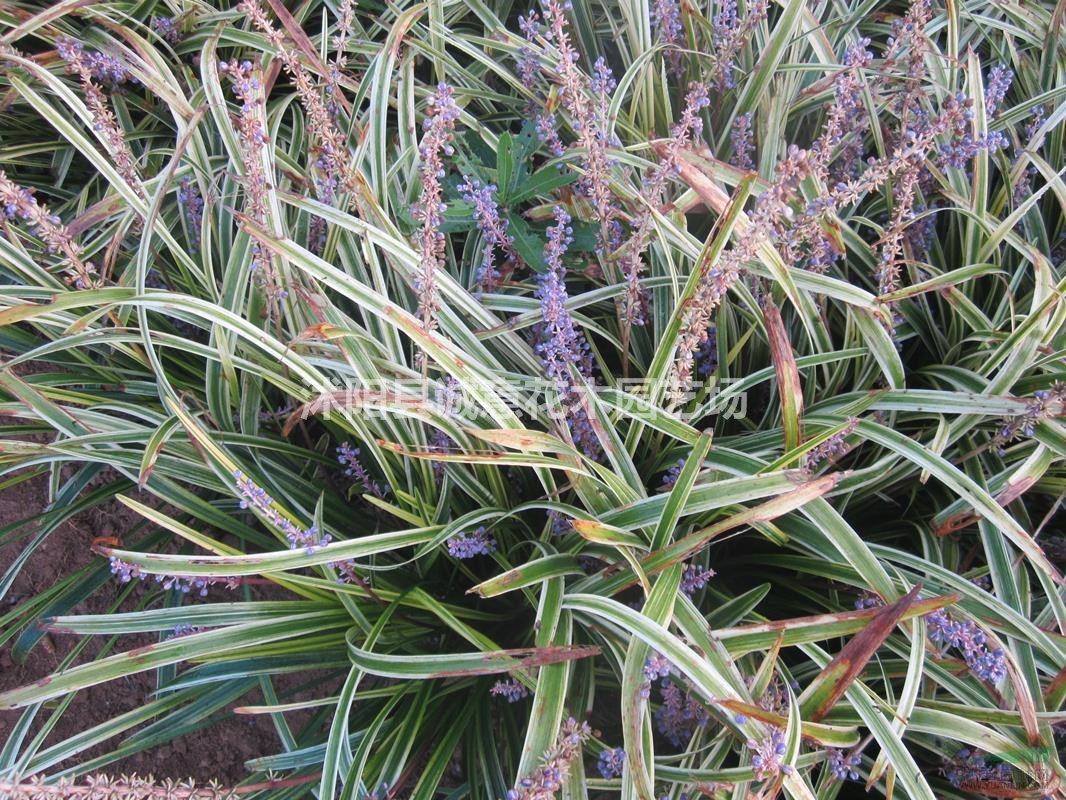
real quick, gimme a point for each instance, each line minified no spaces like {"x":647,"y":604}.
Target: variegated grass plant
{"x":645,"y":397}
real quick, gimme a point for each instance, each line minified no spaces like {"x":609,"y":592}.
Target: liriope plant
{"x":657,"y":398}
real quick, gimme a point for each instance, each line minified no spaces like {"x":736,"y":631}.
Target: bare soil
{"x":218,"y":753}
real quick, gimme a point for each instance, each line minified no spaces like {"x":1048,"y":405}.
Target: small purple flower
{"x":680,"y":715}
{"x":93,"y":69}
{"x":182,"y":583}
{"x":253,"y":496}
{"x":832,"y":448}
{"x":468,"y":545}
{"x":1044,"y":404}
{"x":729,"y":35}
{"x":707,"y":355}
{"x":529,"y":25}
{"x":513,"y":689}
{"x":999,"y":81}
{"x":768,"y":754}
{"x":867,"y":600}
{"x":657,"y":666}
{"x":548,"y":133}
{"x":348,"y":457}
{"x":167,"y":29}
{"x":672,"y":474}
{"x":193,"y":206}
{"x":743,"y":142}
{"x":184,"y":629}
{"x":603,"y":82}
{"x":695,"y":578}
{"x":561,"y":345}
{"x":492,"y":226}
{"x":103,"y":68}
{"x":528,"y":64}
{"x":988,"y":665}
{"x":561,"y":524}
{"x":18,"y":202}
{"x":124,"y":570}
{"x":843,"y":766}
{"x":969,"y":767}
{"x":611,"y":762}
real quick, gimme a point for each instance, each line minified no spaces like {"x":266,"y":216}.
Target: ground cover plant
{"x":589,"y":399}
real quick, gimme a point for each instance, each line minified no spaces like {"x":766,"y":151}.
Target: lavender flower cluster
{"x":666,"y":22}
{"x":167,"y":29}
{"x":586,"y":102}
{"x":1044,"y":404}
{"x":695,"y":578}
{"x":555,"y":764}
{"x":512,"y":689}
{"x":768,"y":752}
{"x":102,"y":68}
{"x":448,"y":397}
{"x":332,"y":163}
{"x":742,"y":138}
{"x":253,"y":496}
{"x":730,"y":33}
{"x":249,"y":90}
{"x":971,"y":768}
{"x":611,"y":762}
{"x":832,"y":448}
{"x":470,"y":544}
{"x":93,"y":68}
{"x":843,"y":766}
{"x":672,"y":474}
{"x":685,"y":132}
{"x":680,"y":714}
{"x":987,"y":664}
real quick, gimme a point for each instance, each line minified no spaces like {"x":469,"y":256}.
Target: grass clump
{"x":587,"y":398}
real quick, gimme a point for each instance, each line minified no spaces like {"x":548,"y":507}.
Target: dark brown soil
{"x":218,"y":752}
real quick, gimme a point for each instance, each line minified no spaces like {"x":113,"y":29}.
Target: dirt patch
{"x":218,"y":752}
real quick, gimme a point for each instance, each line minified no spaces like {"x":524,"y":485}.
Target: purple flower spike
{"x":193,"y":205}
{"x":743,"y":142}
{"x":348,"y":457}
{"x":999,"y":81}
{"x":666,"y":21}
{"x":561,"y":345}
{"x":513,"y":689}
{"x":492,"y":226}
{"x":672,"y":474}
{"x":547,"y":779}
{"x":969,"y":768}
{"x":253,"y":496}
{"x":680,"y":714}
{"x":167,"y":29}
{"x":442,"y":114}
{"x":695,"y":578}
{"x":988,"y":665}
